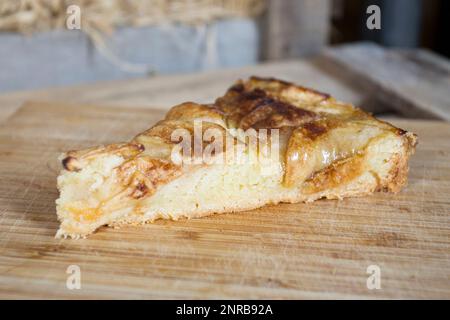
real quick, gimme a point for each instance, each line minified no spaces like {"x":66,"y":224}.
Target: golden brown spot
{"x":70,"y":163}
{"x":139,"y":191}
{"x":337,"y":174}
{"x":77,"y":160}
{"x":140,"y":147}
{"x":144,"y":174}
{"x":238,"y":87}
{"x":314,"y":129}
{"x":255,"y":108}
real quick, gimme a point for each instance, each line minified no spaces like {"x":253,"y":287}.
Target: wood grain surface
{"x":318,"y":250}
{"x":414,"y":82}
{"x":168,"y":90}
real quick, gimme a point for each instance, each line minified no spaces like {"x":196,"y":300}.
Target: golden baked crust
{"x":328,"y":149}
{"x":312,"y":115}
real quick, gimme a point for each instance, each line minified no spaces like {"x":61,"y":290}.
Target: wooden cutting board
{"x":318,"y":250}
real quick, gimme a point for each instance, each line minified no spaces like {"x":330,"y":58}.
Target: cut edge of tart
{"x":280,"y":143}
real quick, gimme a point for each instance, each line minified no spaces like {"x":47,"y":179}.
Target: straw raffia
{"x":38,"y":15}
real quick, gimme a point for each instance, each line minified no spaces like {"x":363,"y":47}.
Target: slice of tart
{"x":265,"y":141}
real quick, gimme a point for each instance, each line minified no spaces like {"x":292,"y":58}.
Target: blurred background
{"x":134,"y":38}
